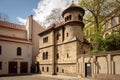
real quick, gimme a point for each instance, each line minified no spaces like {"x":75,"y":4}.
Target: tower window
{"x":0,"y":50}
{"x":47,"y":69}
{"x":19,"y":51}
{"x":68,"y":18}
{"x":80,"y":18}
{"x":0,"y":65}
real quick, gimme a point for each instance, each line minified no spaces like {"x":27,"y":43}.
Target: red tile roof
{"x":11,"y":25}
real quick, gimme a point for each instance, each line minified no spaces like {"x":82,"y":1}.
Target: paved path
{"x":42,"y":77}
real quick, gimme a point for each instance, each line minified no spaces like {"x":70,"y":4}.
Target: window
{"x":42,"y":68}
{"x":68,"y":18}
{"x":62,"y":70}
{"x":67,"y":55}
{"x":0,"y":65}
{"x":19,"y":51}
{"x":58,"y":35}
{"x":80,"y":18}
{"x":47,"y":69}
{"x":46,"y":55}
{"x":45,"y":39}
{"x":0,"y":50}
{"x":67,"y":34}
{"x":57,"y":56}
{"x":57,"y":69}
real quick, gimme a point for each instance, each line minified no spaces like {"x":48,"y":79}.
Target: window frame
{"x":45,"y":39}
{"x":19,"y":51}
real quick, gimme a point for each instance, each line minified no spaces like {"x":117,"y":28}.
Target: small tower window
{"x":80,"y":18}
{"x":69,"y":17}
{"x":19,"y":51}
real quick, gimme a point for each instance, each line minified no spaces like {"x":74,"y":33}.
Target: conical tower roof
{"x":71,"y":7}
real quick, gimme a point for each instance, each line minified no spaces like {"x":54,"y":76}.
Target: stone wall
{"x":102,"y":65}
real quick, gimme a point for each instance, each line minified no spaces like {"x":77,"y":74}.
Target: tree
{"x":112,"y":42}
{"x":54,"y":17}
{"x":97,"y":12}
{"x":4,"y":17}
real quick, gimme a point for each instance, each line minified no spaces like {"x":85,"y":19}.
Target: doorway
{"x":87,"y":69}
{"x":23,"y":67}
{"x":12,"y":67}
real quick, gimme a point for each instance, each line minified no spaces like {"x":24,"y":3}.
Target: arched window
{"x":0,"y":50}
{"x":46,"y":55}
{"x":19,"y":51}
{"x":57,"y":56}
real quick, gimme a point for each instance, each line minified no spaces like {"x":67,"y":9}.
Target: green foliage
{"x":112,"y":42}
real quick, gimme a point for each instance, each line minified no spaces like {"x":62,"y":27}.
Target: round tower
{"x":73,"y":17}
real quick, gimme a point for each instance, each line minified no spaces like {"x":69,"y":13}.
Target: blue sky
{"x":18,"y":8}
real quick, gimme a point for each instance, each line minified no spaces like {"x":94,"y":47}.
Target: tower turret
{"x":73,"y":17}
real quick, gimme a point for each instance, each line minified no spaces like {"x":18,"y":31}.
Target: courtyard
{"x":43,"y":77}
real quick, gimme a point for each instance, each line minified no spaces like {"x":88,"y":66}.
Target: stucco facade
{"x":18,"y":46}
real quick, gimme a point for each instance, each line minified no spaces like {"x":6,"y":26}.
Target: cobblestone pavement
{"x":42,"y":77}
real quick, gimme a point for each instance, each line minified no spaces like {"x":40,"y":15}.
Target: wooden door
{"x":12,"y":67}
{"x":24,"y":67}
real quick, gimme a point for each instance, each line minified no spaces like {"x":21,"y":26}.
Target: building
{"x":61,"y":44}
{"x":112,"y":25}
{"x":63,"y":50}
{"x":18,"y":46}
